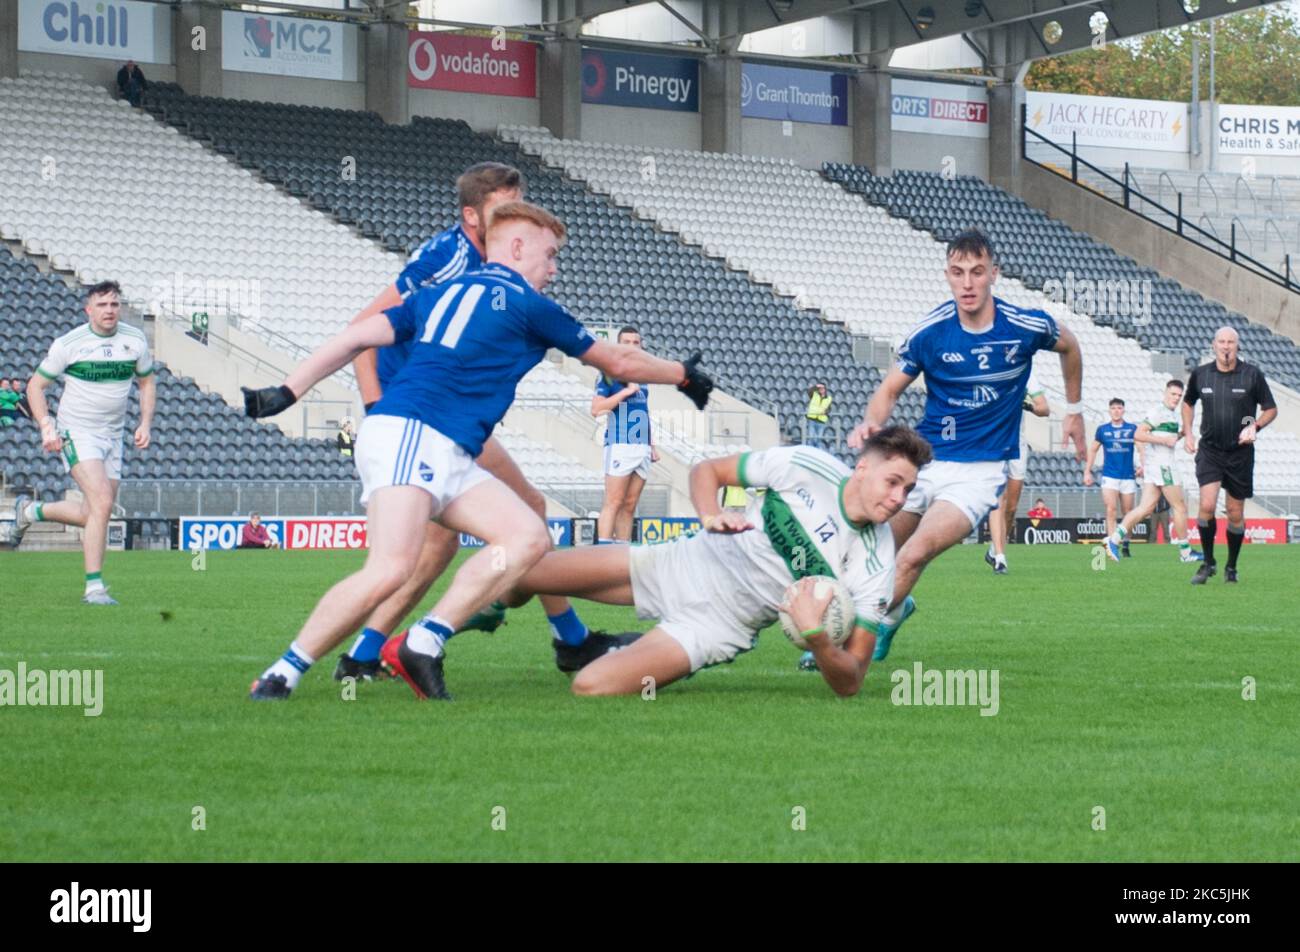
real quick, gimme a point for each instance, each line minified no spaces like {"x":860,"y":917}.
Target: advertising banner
{"x":1066,"y":531}
{"x":1259,"y":130}
{"x":642,"y":80}
{"x":118,"y":30}
{"x":666,"y":529}
{"x":312,"y":532}
{"x":471,"y":64}
{"x":948,"y":109}
{"x":1109,"y":122}
{"x":800,"y":95}
{"x":288,"y":46}
{"x":1271,"y":531}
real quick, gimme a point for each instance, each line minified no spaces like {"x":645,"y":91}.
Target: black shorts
{"x":1235,"y":469}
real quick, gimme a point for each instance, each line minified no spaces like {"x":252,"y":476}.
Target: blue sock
{"x":568,"y":627}
{"x":367,"y":645}
{"x":605,"y":541}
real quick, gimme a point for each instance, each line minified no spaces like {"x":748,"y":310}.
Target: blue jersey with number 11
{"x":473,"y":339}
{"x":975,"y":381}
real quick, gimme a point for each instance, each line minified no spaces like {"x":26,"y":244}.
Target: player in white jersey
{"x":714,"y":591}
{"x":1003,"y":518}
{"x":1159,"y":432}
{"x":97,"y":363}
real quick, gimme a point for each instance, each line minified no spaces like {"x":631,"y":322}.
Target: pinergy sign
{"x":471,"y":64}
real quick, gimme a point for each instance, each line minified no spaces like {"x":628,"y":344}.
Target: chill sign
{"x":119,"y":30}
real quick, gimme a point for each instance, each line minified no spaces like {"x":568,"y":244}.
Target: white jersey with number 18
{"x":97,"y":372}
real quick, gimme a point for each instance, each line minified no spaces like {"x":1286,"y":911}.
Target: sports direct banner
{"x":800,"y":95}
{"x":287,"y":46}
{"x":120,"y":30}
{"x":946,"y":109}
{"x":1259,"y":130}
{"x":312,"y":532}
{"x":1109,"y":122}
{"x":641,"y":80}
{"x":471,"y":64}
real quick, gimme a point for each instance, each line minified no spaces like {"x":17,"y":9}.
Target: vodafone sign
{"x":471,"y":64}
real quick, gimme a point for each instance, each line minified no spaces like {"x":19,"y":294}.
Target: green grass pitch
{"x":1120,"y":689}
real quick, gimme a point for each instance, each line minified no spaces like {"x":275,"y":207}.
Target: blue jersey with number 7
{"x":472,"y":340}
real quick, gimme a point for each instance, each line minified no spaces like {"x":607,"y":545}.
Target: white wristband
{"x":1071,"y":408}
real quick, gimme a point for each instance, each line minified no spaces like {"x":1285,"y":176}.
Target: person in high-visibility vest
{"x":347,"y":436}
{"x":735,"y":498}
{"x":819,"y":406}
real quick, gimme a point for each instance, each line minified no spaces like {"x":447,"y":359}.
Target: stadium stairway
{"x":616,"y":269}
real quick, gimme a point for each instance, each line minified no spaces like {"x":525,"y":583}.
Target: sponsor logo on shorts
{"x":426,"y":472}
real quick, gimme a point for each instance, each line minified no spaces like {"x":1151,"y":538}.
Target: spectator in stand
{"x":347,"y":437}
{"x":1040,"y":510}
{"x":818,"y":415}
{"x":9,"y":400}
{"x":131,"y":83}
{"x":255,"y":535}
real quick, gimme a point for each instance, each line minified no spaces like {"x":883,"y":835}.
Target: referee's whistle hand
{"x":1247,"y":435}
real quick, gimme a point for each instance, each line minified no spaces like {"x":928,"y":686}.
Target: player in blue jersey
{"x":629,"y":451}
{"x":1120,"y":471}
{"x":475,"y":338}
{"x":975,"y":351}
{"x":479,"y":190}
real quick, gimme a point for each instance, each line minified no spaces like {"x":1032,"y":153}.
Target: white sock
{"x":292,"y":673}
{"x":424,"y":639}
{"x":30,"y":512}
{"x":1000,"y":558}
{"x":94,"y":585}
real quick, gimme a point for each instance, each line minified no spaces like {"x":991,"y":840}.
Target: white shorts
{"x":670,"y":583}
{"x":396,"y":451}
{"x":1016,"y":467}
{"x":79,"y":445}
{"x":1126,"y":487}
{"x":974,"y":488}
{"x":1160,"y":475}
{"x":624,"y":459}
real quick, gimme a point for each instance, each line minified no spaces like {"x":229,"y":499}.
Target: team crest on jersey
{"x":1011,"y":353}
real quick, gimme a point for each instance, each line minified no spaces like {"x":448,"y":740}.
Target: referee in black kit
{"x":1229,"y":391}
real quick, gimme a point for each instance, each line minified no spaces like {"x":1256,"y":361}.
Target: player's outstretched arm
{"x":880,"y":407}
{"x":708,"y":476}
{"x":1067,"y":345}
{"x":622,"y":362}
{"x":375,"y":331}
{"x":366,"y":364}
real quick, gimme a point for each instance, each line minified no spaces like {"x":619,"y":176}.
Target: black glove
{"x":697,"y":384}
{"x":268,"y":401}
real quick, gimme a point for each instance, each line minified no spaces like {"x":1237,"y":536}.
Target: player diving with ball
{"x":714,"y":591}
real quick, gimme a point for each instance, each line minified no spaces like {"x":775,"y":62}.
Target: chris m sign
{"x":799,"y":95}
